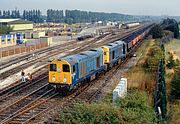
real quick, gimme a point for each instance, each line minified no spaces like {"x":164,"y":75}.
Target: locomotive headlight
{"x":58,"y":69}
{"x":53,"y":79}
{"x":65,"y":80}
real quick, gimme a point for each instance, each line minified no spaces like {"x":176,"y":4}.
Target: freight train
{"x":72,"y":71}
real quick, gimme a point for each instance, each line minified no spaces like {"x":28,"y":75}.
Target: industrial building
{"x":7,"y":40}
{"x":17,"y":24}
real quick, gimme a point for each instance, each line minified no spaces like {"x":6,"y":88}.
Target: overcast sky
{"x":133,"y":7}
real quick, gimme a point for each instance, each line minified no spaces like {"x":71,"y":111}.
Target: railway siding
{"x":70,"y":50}
{"x":25,"y":102}
{"x":16,"y":115}
{"x":94,"y":90}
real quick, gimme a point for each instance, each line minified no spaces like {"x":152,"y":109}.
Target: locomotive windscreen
{"x":52,"y":67}
{"x":66,"y":68}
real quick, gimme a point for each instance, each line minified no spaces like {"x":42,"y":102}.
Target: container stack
{"x":121,"y":89}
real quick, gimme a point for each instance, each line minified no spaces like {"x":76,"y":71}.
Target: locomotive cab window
{"x":74,"y":68}
{"x":124,"y":49}
{"x":66,"y":68}
{"x":98,"y":62}
{"x":113,"y":54}
{"x":52,"y":67}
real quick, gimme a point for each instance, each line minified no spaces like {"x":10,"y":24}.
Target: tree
{"x":18,"y":14}
{"x":0,"y":13}
{"x":77,"y":16}
{"x":171,"y":25}
{"x":32,"y":15}
{"x":157,"y":31}
{"x":5,"y":29}
{"x":24,"y":15}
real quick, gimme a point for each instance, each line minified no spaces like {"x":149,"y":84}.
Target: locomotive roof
{"x":72,"y":59}
{"x":119,"y":42}
{"x":110,"y":45}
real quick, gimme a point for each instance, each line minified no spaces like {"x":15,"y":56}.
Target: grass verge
{"x":172,"y":76}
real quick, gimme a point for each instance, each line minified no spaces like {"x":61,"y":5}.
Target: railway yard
{"x":36,"y":101}
{"x":89,"y":62}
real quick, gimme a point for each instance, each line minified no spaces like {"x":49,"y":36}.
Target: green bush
{"x":132,"y":109}
{"x":5,"y":29}
{"x":155,"y":54}
{"x":172,"y":25}
{"x":90,"y":113}
{"x":136,"y":109}
{"x":171,"y":63}
{"x":156,"y":32}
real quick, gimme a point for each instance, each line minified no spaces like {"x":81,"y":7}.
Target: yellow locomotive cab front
{"x":105,"y":54}
{"x":60,"y":72}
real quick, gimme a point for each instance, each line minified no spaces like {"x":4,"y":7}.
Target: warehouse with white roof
{"x":17,"y":24}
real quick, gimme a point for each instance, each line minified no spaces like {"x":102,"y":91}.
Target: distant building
{"x":17,"y":24}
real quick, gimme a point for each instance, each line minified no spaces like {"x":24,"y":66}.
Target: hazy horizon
{"x":136,"y":7}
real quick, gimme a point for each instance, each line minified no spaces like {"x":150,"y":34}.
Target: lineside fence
{"x":160,"y":97}
{"x":24,"y":49}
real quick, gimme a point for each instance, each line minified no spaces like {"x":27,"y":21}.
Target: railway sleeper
{"x":15,"y":122}
{"x":27,"y":114}
{"x":15,"y":110}
{"x":19,"y":119}
{"x":2,"y":117}
{"x":42,"y":107}
{"x":23,"y":116}
{"x":11,"y":111}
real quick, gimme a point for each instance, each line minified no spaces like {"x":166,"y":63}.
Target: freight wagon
{"x":84,"y":37}
{"x":131,"y":25}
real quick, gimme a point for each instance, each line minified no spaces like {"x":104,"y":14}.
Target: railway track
{"x":109,"y":39}
{"x":48,"y":53}
{"x":85,"y":93}
{"x":25,"y":57}
{"x":58,"y":49}
{"x":89,"y":96}
{"x":16,"y":88}
{"x":32,"y":105}
{"x":35,"y":99}
{"x":9,"y":91}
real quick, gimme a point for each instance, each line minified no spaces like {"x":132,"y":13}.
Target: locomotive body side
{"x":72,"y":70}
